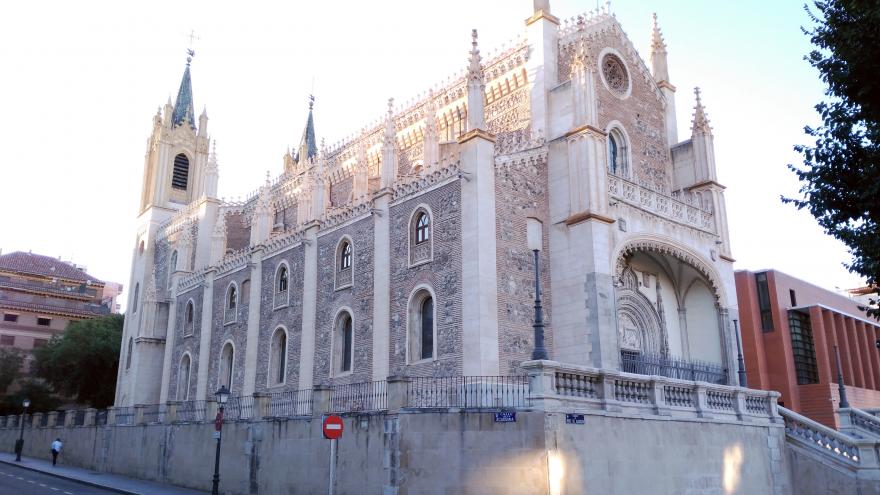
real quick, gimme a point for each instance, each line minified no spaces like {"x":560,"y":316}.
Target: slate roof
{"x":308,"y":147}
{"x":37,"y":264}
{"x":183,"y":107}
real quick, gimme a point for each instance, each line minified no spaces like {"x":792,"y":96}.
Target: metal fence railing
{"x":101,"y":417}
{"x":291,"y":403}
{"x":79,"y":417}
{"x":468,"y":392}
{"x":354,"y":397}
{"x":191,"y":411}
{"x":44,"y":420}
{"x":682,"y":369}
{"x":125,"y":415}
{"x":239,"y":408}
{"x":154,"y":413}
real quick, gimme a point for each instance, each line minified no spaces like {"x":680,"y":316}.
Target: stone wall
{"x":440,"y":452}
{"x":236,"y":332}
{"x":186,"y":342}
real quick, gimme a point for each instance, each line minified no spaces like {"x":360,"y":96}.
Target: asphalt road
{"x":18,"y":481}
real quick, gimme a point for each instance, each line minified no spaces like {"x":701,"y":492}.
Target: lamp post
{"x":740,"y":363}
{"x":19,"y":444}
{"x":535,"y":238}
{"x":841,"y":387}
{"x":222,"y":396}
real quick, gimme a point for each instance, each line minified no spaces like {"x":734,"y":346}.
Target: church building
{"x":403,"y":250}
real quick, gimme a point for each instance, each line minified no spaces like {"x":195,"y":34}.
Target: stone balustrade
{"x":858,"y":423}
{"x":853,"y":453}
{"x":684,"y":209}
{"x":564,"y":387}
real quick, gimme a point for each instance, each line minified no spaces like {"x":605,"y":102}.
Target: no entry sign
{"x":332,"y":427}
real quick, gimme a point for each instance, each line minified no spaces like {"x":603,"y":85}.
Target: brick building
{"x":40,"y":295}
{"x":402,"y":250}
{"x":789,"y":330}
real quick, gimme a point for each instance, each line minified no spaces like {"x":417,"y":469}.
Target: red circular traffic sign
{"x":332,"y":427}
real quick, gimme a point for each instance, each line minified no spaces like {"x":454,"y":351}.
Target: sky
{"x":81,"y":81}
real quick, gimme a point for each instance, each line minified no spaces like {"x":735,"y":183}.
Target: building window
{"x":278,"y":357}
{"x":172,"y":267}
{"x":44,"y":322}
{"x":420,"y":243}
{"x":802,"y":348}
{"x":282,"y":283}
{"x":40,"y":343}
{"x":128,"y":353}
{"x":180,"y":177}
{"x":9,"y":317}
{"x":615,"y":75}
{"x":421,"y":326}
{"x":343,"y":344}
{"x":7,"y":340}
{"x":344,"y":253}
{"x":231,"y":304}
{"x":764,"y":302}
{"x":792,"y":297}
{"x":227,"y":363}
{"x":134,"y":300}
{"x":183,"y":375}
{"x":618,"y":153}
{"x":188,"y":318}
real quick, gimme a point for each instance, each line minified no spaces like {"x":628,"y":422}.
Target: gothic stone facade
{"x":403,"y":251}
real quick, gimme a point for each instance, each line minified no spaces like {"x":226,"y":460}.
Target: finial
{"x":475,"y":69}
{"x":657,"y":43}
{"x":701,"y":120}
{"x":697,"y":94}
{"x":311,"y":102}
{"x":268,"y":178}
{"x":390,"y":106}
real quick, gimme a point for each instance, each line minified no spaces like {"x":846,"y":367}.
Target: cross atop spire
{"x":701,"y":120}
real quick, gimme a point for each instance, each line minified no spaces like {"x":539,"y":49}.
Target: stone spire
{"x":658,"y":54}
{"x":476,"y":88}
{"x":261,"y":223}
{"x":203,"y":122}
{"x":432,"y":134}
{"x":361,"y":181}
{"x":218,"y":239}
{"x":389,"y":149}
{"x":584,"y":86}
{"x":183,"y":108}
{"x":212,"y":173}
{"x":701,"y":120}
{"x":308,"y":148}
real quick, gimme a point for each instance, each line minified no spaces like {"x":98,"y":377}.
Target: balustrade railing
{"x":291,"y":403}
{"x":191,"y":411}
{"x":239,"y":408}
{"x":859,"y":422}
{"x":819,"y":437}
{"x":354,"y":397}
{"x":468,"y":392}
{"x":682,"y":369}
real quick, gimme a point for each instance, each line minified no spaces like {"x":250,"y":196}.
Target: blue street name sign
{"x":574,"y":419}
{"x":505,"y":417}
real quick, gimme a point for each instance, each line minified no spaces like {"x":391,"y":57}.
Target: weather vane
{"x":189,"y":51}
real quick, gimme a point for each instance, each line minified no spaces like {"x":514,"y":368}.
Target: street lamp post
{"x":535,"y":238}
{"x":740,"y":363}
{"x":19,"y":444}
{"x":222,"y":396}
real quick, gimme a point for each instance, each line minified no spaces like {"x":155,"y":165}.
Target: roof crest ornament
{"x":657,"y":43}
{"x":701,"y":119}
{"x":475,"y":69}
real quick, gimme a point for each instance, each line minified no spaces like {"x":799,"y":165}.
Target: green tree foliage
{"x":41,"y":396}
{"x":10,"y":367}
{"x":840,"y":175}
{"x":82,"y":362}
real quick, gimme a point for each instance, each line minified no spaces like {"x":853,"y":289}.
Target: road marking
{"x":44,"y":486}
{"x":53,"y":488}
{"x":30,"y":481}
{"x":68,"y":493}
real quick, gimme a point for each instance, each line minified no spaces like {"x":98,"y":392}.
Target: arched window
{"x":172,"y":266}
{"x":128,"y":353}
{"x":345,"y":259}
{"x":227,"y":363}
{"x":180,"y":176}
{"x":282,"y":284}
{"x":421,"y":326}
{"x":134,"y":300}
{"x":344,"y":253}
{"x":231,"y":303}
{"x":618,"y":153}
{"x":282,"y":279}
{"x":343,"y":343}
{"x":420,"y":244}
{"x":183,"y":374}
{"x":188,"y":317}
{"x":278,"y":357}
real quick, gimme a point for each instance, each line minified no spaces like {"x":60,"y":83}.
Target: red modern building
{"x":789,"y":331}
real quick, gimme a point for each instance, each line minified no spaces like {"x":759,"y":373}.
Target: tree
{"x":10,"y":367}
{"x":82,"y":362}
{"x":41,"y":396}
{"x":840,"y":176}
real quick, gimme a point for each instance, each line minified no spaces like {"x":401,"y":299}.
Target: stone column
{"x":252,"y":347}
{"x":111,"y":416}
{"x":396,"y":393}
{"x":69,"y":418}
{"x":170,"y":335}
{"x":261,"y":405}
{"x":53,"y":419}
{"x":171,"y":411}
{"x":657,"y":399}
{"x":139,"y":414}
{"x":89,"y":419}
{"x":381,"y":284}
{"x":211,"y":408}
{"x":702,"y":402}
{"x":38,"y":418}
{"x":609,"y":398}
{"x":205,"y":335}
{"x":321,"y":396}
{"x":309,"y":306}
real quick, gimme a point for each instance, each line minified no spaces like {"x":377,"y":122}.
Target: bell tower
{"x":176,"y":174}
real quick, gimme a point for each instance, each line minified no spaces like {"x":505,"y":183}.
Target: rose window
{"x":615,"y":75}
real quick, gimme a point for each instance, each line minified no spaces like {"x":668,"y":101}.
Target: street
{"x":26,"y":482}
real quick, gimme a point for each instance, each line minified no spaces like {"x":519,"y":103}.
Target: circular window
{"x":615,"y":75}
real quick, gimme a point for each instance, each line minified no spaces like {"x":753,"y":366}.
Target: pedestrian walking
{"x":56,"y":449}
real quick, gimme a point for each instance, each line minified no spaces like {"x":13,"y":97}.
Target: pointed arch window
{"x":278,"y":358}
{"x":618,"y":153}
{"x":422,"y":335}
{"x":128,"y":353}
{"x":423,"y":227}
{"x":183,"y":377}
{"x":180,"y":176}
{"x":345,"y":261}
{"x":227,"y":363}
{"x":134,"y":301}
{"x":282,"y":284}
{"x":188,"y":318}
{"x":343,"y":344}
{"x":344,"y":255}
{"x":230,"y":313}
{"x":420,"y":238}
{"x":172,"y":266}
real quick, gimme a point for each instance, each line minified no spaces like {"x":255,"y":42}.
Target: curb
{"x":68,"y":478}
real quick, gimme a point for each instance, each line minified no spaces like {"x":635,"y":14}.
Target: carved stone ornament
{"x":615,"y":74}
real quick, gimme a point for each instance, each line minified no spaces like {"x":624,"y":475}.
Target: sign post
{"x":332,"y":428}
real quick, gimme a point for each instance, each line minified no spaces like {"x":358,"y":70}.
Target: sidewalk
{"x":107,"y":481}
